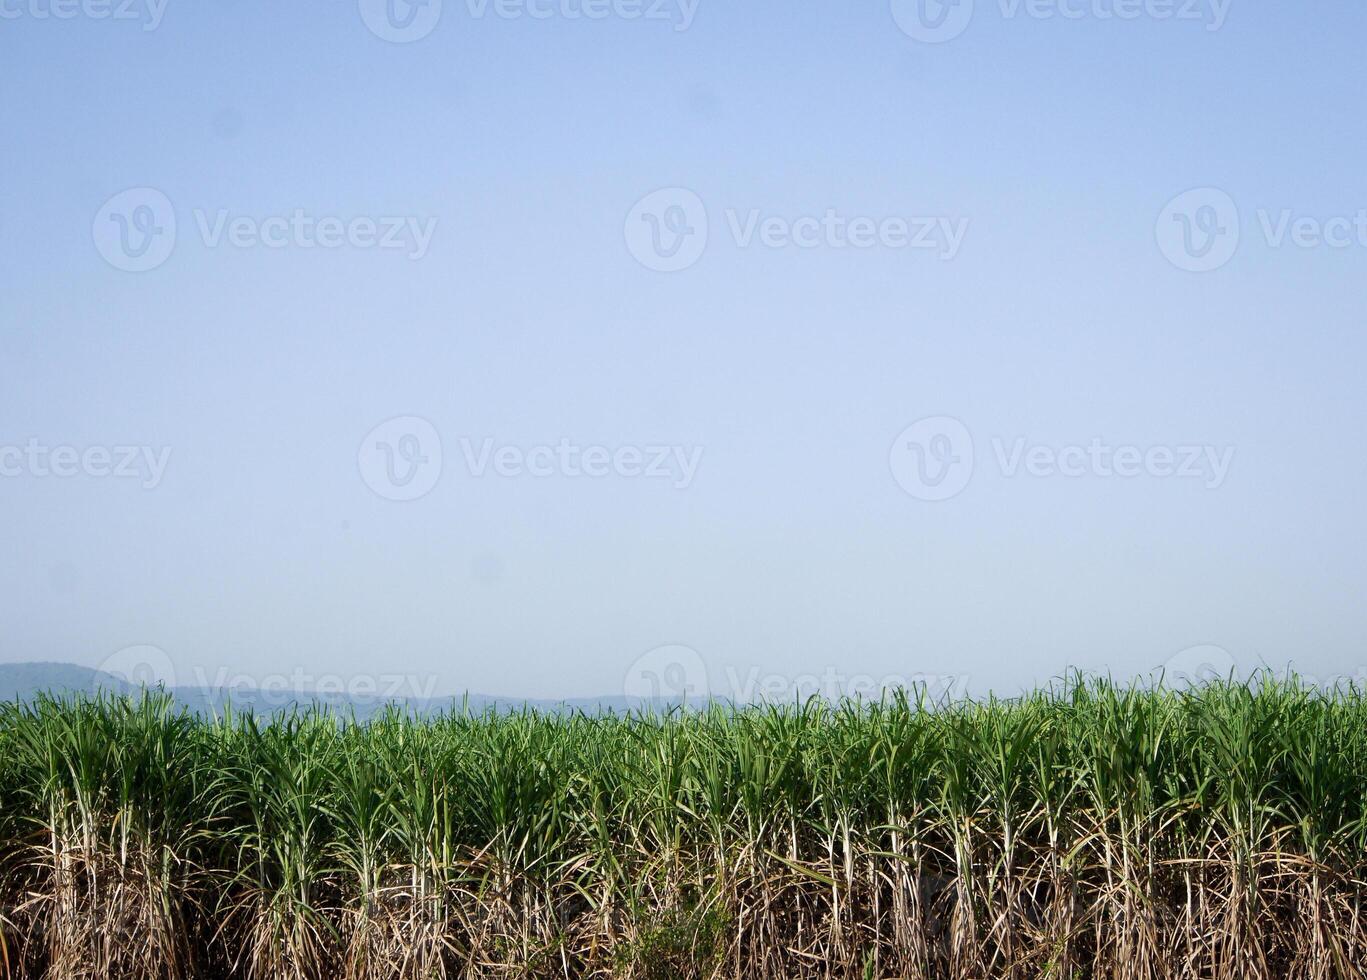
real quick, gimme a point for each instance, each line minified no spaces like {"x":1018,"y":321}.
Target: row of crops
{"x":1090,"y":830}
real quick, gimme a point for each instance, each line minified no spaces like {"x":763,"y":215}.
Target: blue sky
{"x":1051,"y":149}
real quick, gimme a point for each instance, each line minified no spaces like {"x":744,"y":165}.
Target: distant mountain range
{"x":25,"y":681}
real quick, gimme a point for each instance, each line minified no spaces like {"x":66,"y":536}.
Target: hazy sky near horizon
{"x":1147,"y":414}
